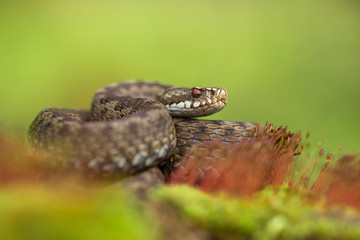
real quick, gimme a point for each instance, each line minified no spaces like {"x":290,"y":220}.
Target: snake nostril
{"x":196,"y":93}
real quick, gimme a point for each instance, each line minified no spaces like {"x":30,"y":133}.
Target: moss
{"x":270,"y":214}
{"x":42,"y":213}
{"x":30,"y":209}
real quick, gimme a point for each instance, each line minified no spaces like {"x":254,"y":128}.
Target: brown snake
{"x":129,"y":127}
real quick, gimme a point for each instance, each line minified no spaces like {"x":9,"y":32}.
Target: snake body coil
{"x":129,"y":127}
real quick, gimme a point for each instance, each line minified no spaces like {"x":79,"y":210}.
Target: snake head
{"x":193,"y":102}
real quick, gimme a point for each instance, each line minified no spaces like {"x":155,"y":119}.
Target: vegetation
{"x":260,"y":188}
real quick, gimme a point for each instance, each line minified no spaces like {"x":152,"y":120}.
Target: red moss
{"x":13,"y":158}
{"x":269,"y":156}
{"x":339,"y":182}
{"x":242,"y":168}
{"x":18,"y":163}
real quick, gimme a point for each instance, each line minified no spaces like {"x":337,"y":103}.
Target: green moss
{"x":57,"y":214}
{"x":281,"y":214}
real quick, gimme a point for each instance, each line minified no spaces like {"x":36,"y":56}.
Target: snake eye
{"x":196,"y":93}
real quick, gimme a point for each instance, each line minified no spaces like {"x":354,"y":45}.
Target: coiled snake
{"x":133,"y":126}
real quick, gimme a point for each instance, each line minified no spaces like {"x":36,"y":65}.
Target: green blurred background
{"x":290,"y":63}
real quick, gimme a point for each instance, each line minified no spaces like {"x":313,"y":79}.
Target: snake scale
{"x":133,"y":126}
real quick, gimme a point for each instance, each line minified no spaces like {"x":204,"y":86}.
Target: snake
{"x":133,"y":126}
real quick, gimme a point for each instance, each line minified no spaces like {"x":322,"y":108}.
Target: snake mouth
{"x":211,"y":102}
